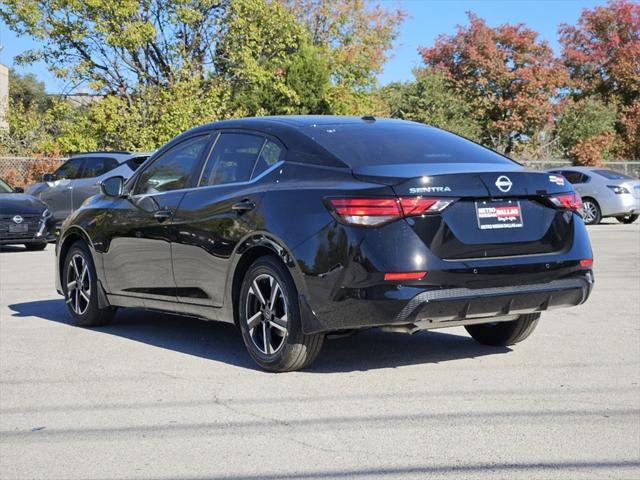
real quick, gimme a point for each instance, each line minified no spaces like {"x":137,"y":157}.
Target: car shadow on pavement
{"x":13,"y":249}
{"x":367,"y":350}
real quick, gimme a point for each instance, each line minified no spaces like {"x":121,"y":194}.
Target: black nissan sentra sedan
{"x":294,"y":227}
{"x":23,"y":219}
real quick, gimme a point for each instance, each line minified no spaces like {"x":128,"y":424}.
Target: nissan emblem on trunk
{"x":503,"y":183}
{"x":18,"y":219}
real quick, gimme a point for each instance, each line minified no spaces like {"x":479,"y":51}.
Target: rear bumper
{"x":623,"y":204}
{"x":438,"y":308}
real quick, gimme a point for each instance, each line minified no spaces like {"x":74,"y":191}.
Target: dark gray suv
{"x":79,"y":178}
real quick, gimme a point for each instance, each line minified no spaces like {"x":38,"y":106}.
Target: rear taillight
{"x":619,"y":189}
{"x":587,"y":262}
{"x":569,"y":201}
{"x":373,"y":211}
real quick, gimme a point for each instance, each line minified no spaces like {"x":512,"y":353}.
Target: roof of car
{"x":298,"y":121}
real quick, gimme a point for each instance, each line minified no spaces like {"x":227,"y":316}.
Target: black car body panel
{"x":23,"y":218}
{"x":191,"y":260}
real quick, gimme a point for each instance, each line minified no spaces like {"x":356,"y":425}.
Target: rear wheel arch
{"x":247,"y":253}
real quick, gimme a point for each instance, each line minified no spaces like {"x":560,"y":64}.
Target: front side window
{"x":233,"y":159}
{"x":172,"y":170}
{"x":94,"y":167}
{"x":69,"y":170}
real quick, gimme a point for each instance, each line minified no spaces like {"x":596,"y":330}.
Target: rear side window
{"x":573,"y":177}
{"x":271,"y":154}
{"x":94,"y":167}
{"x":383,"y":143}
{"x":233,"y":159}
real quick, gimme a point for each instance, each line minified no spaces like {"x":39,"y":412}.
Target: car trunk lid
{"x":498,"y":212}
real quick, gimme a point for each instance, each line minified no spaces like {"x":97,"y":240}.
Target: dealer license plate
{"x":501,"y":214}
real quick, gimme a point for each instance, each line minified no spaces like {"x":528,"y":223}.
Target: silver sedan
{"x":604,"y":193}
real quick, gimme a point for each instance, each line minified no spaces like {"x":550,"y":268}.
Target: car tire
{"x":80,"y":288}
{"x":270,"y":319}
{"x":592,"y":215}
{"x":501,"y":334}
{"x":34,"y":247}
{"x":627,"y":218}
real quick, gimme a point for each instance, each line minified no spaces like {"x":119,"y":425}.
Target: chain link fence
{"x":22,"y":164}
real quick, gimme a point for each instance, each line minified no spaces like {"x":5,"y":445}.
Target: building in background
{"x":4,"y":96}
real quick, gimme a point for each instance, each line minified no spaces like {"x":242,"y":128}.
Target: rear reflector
{"x":587,"y":262}
{"x":570,"y":201}
{"x":374,"y":211}
{"x":404,"y":275}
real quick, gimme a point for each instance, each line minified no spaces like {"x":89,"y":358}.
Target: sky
{"x":427,"y":19}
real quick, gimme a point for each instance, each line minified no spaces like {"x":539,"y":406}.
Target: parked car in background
{"x":294,"y":227}
{"x":605,"y":193}
{"x":23,"y":219}
{"x":79,"y":178}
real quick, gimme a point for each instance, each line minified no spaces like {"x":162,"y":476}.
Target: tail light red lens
{"x":366,"y":211}
{"x":587,"y":262}
{"x":395,"y":276}
{"x":569,"y":201}
{"x":372,"y":211}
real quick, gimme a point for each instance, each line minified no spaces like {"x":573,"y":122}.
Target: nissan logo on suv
{"x":503,"y":183}
{"x":17,"y":219}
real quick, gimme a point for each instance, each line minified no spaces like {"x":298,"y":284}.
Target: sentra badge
{"x":419,"y":190}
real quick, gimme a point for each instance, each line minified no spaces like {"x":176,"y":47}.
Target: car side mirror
{"x":18,"y":190}
{"x":48,"y":177}
{"x":112,"y":186}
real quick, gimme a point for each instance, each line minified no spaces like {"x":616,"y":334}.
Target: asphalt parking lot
{"x":157,"y":396}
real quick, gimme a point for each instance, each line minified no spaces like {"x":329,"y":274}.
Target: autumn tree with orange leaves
{"x":602,"y":55}
{"x":506,"y":74}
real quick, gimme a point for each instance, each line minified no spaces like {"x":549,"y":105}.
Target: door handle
{"x":243,"y":206}
{"x":162,"y":215}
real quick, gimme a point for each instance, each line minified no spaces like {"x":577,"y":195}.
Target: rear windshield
{"x":611,"y":175}
{"x":385,"y":143}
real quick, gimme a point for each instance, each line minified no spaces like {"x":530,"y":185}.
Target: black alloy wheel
{"x":269,"y":317}
{"x":80,"y":287}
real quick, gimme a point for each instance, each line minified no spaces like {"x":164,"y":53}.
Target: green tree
{"x":429,"y":99}
{"x":584,"y":119}
{"x":27,"y":91}
{"x":356,"y":36}
{"x":266,"y":59}
{"x":155,"y":114}
{"x":116,"y":47}
{"x":586,"y":125}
